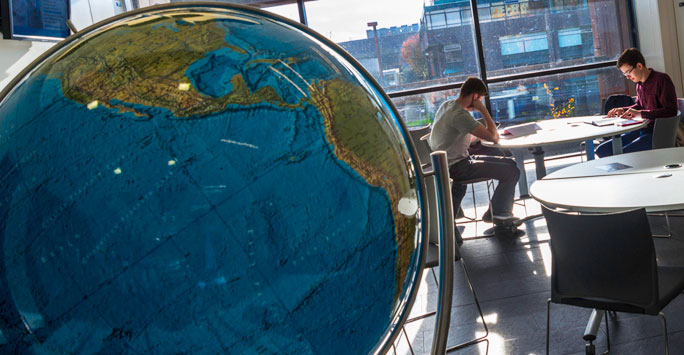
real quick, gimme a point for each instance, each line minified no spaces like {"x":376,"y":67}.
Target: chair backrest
{"x":680,"y":105}
{"x":617,"y":100}
{"x":679,"y":141}
{"x":432,"y":259}
{"x":607,"y":257}
{"x":665,"y":132}
{"x":422,"y":148}
{"x":432,"y":231}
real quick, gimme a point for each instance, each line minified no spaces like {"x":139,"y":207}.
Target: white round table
{"x":652,"y":179}
{"x":557,"y":131}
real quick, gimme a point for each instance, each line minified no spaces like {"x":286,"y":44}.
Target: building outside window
{"x":569,"y":37}
{"x":542,"y":58}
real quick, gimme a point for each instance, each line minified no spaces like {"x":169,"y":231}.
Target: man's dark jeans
{"x":501,"y":169}
{"x":634,"y":141}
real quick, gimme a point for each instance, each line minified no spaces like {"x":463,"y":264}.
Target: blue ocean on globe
{"x":203,"y":179}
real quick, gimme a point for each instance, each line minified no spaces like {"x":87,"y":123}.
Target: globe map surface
{"x":202,"y":179}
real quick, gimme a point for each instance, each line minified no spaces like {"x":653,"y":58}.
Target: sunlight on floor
{"x":533,"y":248}
{"x":494,"y":345}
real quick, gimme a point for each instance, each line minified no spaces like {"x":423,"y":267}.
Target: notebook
{"x":606,"y":121}
{"x":625,"y":122}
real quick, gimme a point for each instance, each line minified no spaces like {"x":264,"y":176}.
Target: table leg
{"x":538,"y":154}
{"x":589,"y":147}
{"x":617,"y":145}
{"x":522,"y":181}
{"x":593,"y":325}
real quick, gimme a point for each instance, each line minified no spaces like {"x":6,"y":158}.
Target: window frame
{"x":531,"y":6}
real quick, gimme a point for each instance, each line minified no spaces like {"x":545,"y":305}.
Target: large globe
{"x":199,"y":178}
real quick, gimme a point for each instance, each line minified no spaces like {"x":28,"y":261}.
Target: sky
{"x":345,"y":20}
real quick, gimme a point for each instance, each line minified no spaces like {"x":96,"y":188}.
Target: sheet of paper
{"x":522,"y":130}
{"x":613,"y":167}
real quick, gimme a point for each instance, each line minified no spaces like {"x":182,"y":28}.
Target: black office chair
{"x":608,"y":262}
{"x":617,"y":100}
{"x":665,"y":132}
{"x":679,"y":142}
{"x":422,"y":148}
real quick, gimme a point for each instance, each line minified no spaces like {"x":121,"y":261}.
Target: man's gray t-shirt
{"x":451,"y":131}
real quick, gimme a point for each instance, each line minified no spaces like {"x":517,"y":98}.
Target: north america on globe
{"x":156,"y":69}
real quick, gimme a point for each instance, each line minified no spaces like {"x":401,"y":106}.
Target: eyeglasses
{"x":627,"y":73}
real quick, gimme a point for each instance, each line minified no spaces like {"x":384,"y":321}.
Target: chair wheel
{"x":590,"y":349}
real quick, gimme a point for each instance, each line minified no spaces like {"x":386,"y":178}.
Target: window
{"x":512,"y":45}
{"x":420,"y":110}
{"x":544,"y":38}
{"x":512,"y":10}
{"x":567,"y":4}
{"x":483,"y":12}
{"x":524,"y":8}
{"x":467,"y":16}
{"x":452,"y":53}
{"x":420,"y":43}
{"x":562,"y":95}
{"x":569,"y":37}
{"x":453,"y":18}
{"x":522,"y":44}
{"x":536,"y":42}
{"x":431,"y":45}
{"x":497,"y":12}
{"x":437,"y":20}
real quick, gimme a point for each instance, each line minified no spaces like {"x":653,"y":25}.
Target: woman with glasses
{"x":656,"y":98}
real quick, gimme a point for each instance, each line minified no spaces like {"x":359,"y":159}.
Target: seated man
{"x":452,"y":132}
{"x":656,"y":98}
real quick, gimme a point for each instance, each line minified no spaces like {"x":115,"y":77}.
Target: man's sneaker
{"x":505,"y":220}
{"x":499,"y":220}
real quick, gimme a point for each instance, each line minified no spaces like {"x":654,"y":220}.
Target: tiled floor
{"x":511,"y":279}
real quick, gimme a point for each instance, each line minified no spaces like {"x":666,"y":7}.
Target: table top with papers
{"x":563,"y":130}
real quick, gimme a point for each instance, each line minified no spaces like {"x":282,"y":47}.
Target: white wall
{"x":679,"y":36}
{"x":16,"y":55}
{"x":87,"y":12}
{"x":658,"y":40}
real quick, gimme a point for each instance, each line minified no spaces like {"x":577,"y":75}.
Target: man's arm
{"x":668,"y":97}
{"x":488,"y":132}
